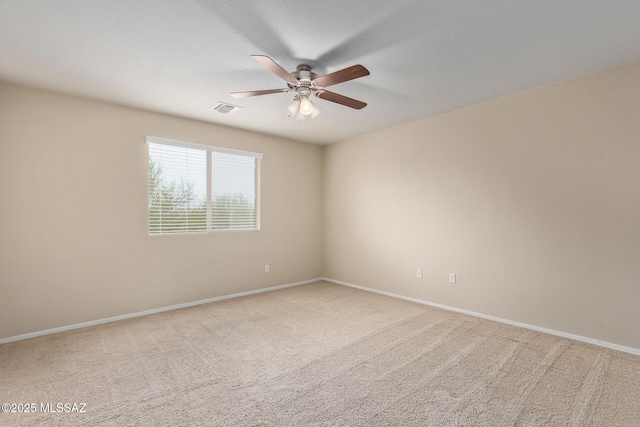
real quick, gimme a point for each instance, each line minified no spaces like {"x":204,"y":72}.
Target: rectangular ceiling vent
{"x":224,"y":108}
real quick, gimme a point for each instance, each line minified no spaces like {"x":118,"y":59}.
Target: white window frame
{"x":211,"y":149}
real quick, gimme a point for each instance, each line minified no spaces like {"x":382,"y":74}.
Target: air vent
{"x":224,"y":108}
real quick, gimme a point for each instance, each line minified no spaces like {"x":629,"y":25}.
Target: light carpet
{"x":317,"y":355}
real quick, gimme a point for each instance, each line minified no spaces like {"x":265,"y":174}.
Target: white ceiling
{"x":426,"y":57}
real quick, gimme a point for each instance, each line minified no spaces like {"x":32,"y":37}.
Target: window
{"x":197,"y":188}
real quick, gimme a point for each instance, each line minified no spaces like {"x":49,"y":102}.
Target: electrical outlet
{"x":452,"y":278}
{"x":266,"y":268}
{"x":419,"y":273}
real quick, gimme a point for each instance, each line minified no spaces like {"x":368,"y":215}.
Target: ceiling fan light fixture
{"x":301,"y":108}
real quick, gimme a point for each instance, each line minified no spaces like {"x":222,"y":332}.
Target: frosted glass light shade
{"x":306,"y":107}
{"x":293,"y":108}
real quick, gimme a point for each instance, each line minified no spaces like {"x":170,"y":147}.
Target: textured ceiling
{"x":425,"y":57}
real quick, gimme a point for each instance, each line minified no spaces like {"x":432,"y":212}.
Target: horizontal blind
{"x":177,"y":189}
{"x":233,"y":192}
{"x":197,"y":188}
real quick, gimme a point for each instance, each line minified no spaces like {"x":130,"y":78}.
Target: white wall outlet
{"x":266,"y":268}
{"x":419,"y":273}
{"x":452,"y":277}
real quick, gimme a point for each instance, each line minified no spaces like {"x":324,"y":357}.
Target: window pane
{"x":233,"y":191}
{"x":177,"y":189}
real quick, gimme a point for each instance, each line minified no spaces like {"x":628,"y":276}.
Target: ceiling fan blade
{"x":256,"y":93}
{"x":340,"y":76}
{"x":272,"y":66}
{"x":340,"y":99}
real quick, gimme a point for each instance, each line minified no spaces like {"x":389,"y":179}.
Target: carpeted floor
{"x":322,"y":355}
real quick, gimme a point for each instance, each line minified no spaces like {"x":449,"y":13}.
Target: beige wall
{"x":73,"y":223}
{"x":532,"y":200}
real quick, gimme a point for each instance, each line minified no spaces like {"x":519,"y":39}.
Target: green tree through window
{"x":173,"y":206}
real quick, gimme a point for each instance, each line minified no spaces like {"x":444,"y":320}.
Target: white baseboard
{"x":605,"y":344}
{"x":146,"y":312}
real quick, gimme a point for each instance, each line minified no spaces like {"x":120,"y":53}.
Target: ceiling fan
{"x":305,"y":83}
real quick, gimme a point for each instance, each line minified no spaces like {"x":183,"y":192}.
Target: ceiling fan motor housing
{"x":305,"y":76}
